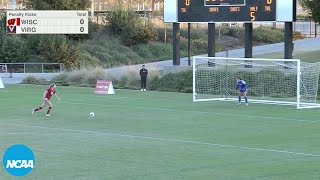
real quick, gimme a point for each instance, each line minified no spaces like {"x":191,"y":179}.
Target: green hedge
{"x":268,"y":35}
{"x":180,"y":82}
{"x":34,"y":80}
{"x":85,"y":77}
{"x":260,"y":34}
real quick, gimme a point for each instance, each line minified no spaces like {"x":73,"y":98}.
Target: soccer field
{"x":158,"y":135}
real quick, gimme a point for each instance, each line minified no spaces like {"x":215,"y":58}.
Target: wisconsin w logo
{"x":12,"y":25}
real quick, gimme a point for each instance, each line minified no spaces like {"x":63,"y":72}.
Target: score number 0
{"x":81,"y":22}
{"x":253,"y":16}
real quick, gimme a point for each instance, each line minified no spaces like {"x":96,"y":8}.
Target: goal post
{"x":3,"y":69}
{"x":1,"y":83}
{"x":270,"y":81}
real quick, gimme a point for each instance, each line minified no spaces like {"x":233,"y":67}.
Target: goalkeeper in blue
{"x":243,"y":89}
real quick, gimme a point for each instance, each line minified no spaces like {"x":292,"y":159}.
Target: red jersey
{"x":50,"y":92}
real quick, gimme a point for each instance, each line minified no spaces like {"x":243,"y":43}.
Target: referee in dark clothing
{"x":143,"y":75}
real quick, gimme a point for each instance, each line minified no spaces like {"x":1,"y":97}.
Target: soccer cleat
{"x":144,"y":90}
{"x":247,"y":104}
{"x":32,"y":111}
{"x":141,"y":89}
{"x":48,"y":115}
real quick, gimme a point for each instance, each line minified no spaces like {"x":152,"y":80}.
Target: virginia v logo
{"x":18,"y":160}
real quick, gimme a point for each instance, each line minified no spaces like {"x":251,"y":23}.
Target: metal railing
{"x":31,"y":67}
{"x":309,"y":29}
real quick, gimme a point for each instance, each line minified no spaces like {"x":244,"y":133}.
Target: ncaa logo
{"x":18,"y":160}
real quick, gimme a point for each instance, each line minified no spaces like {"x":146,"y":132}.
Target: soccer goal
{"x":270,"y":81}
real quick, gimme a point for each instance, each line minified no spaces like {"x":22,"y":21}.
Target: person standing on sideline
{"x":143,"y":75}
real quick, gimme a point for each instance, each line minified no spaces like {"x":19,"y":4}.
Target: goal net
{"x":270,"y":81}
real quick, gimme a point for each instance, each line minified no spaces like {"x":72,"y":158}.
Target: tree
{"x":13,"y":50}
{"x":2,"y":30}
{"x":3,"y":17}
{"x":129,"y":26}
{"x":58,"y":4}
{"x":57,"y":49}
{"x":313,"y":6}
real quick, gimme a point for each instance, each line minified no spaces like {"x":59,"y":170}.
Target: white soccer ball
{"x":92,"y":114}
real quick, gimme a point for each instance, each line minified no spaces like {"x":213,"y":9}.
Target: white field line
{"x":22,"y":133}
{"x":166,"y":139}
{"x":185,"y":111}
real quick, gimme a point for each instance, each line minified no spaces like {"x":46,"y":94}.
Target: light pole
{"x":92,"y":10}
{"x":144,"y":7}
{"x":13,"y":4}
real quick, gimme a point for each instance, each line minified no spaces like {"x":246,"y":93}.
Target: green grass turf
{"x":305,"y":56}
{"x":158,"y":135}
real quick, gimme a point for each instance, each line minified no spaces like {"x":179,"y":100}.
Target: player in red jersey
{"x":46,"y":99}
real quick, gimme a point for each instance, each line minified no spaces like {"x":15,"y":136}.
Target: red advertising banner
{"x":104,"y":87}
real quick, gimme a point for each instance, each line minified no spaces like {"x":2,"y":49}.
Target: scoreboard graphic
{"x":216,"y":10}
{"x":47,"y":22}
{"x":229,"y":10}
